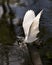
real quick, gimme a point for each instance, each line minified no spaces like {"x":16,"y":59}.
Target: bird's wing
{"x":34,"y":29}
{"x":28,"y":18}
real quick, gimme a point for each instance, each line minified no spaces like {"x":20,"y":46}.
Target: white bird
{"x":31,"y":26}
{"x":1,"y":11}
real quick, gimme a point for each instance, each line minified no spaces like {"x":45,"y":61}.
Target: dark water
{"x":18,"y":54}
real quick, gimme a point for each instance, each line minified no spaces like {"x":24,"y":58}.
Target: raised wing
{"x":33,"y":30}
{"x":28,"y":19}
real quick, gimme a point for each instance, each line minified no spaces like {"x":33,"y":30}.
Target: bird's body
{"x":31,"y":26}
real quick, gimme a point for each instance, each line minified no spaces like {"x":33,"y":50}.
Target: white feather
{"x":28,"y":19}
{"x":31,"y":29}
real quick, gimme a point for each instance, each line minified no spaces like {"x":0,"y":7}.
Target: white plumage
{"x":28,"y":18}
{"x":31,"y":26}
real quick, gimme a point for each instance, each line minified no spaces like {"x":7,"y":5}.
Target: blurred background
{"x":18,"y":54}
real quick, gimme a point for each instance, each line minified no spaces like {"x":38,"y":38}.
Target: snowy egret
{"x":31,"y":26}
